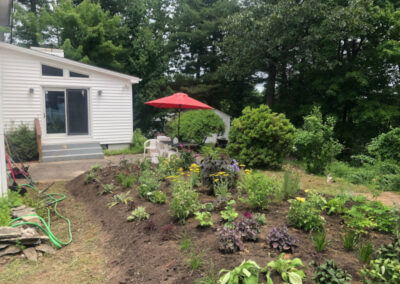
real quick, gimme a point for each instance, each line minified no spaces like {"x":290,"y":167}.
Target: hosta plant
{"x":330,"y":273}
{"x":289,"y":270}
{"x":336,"y":205}
{"x":391,"y":250}
{"x":139,"y":214}
{"x":248,"y":228}
{"x":204,"y":218}
{"x":120,"y":198}
{"x":279,"y":238}
{"x":107,"y":188}
{"x":246,"y":273}
{"x":229,"y":240}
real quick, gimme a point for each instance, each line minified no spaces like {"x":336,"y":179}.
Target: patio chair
{"x":151,"y":146}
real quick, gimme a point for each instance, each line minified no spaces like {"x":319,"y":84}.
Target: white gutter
{"x":3,"y":175}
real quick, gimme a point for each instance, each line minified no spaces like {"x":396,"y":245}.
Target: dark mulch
{"x":150,"y":253}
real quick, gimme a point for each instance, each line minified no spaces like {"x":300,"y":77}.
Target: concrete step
{"x":75,"y":151}
{"x":46,"y":147}
{"x":73,"y":157}
{"x":72,"y":151}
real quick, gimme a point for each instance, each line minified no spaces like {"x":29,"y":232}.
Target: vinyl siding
{"x":110,"y":114}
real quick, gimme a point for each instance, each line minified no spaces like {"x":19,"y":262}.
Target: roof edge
{"x":132,"y":79}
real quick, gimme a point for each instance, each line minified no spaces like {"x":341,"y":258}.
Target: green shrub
{"x":305,"y":214}
{"x":258,"y":189}
{"x":386,"y":146}
{"x":336,"y":205}
{"x":290,"y":186}
{"x":381,"y":271}
{"x":22,"y":141}
{"x":315,"y":144}
{"x":137,"y":141}
{"x":229,"y":214}
{"x":185,"y":201}
{"x":330,"y":273}
{"x":196,"y":125}
{"x":260,"y":137}
{"x":212,"y":151}
{"x":204,"y":218}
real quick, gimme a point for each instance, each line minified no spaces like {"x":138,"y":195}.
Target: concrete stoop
{"x":72,"y":151}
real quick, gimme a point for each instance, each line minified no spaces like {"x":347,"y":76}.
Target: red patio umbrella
{"x":179,"y":101}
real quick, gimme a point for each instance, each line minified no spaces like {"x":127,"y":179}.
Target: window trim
{"x":69,"y":74}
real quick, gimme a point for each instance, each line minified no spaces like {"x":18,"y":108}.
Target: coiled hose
{"x":46,"y":228}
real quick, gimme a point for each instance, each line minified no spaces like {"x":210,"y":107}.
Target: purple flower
{"x":247,"y":214}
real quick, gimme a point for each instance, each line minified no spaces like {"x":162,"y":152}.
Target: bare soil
{"x":139,"y":255}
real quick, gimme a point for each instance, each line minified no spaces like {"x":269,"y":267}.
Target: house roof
{"x":40,"y":54}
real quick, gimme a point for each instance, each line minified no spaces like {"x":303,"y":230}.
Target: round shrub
{"x":386,"y":146}
{"x":23,"y":145}
{"x":315,"y":144}
{"x":196,"y":125}
{"x":260,"y":137}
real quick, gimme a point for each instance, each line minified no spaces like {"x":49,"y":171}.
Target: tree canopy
{"x":340,"y":55}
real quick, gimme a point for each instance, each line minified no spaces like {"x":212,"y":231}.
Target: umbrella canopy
{"x":179,"y":101}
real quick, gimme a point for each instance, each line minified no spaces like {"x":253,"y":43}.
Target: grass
{"x":80,"y":262}
{"x":125,"y":151}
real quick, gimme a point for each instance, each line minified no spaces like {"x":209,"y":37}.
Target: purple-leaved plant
{"x":279,"y":238}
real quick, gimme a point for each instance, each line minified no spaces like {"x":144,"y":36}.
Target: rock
{"x":9,"y":232}
{"x":3,"y":246}
{"x":10,"y":250}
{"x":45,"y":248}
{"x":30,"y":254}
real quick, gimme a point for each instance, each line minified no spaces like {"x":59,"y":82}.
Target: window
{"x":79,"y":75}
{"x":51,"y":71}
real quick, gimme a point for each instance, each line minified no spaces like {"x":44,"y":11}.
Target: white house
{"x":79,"y":106}
{"x":226,"y":118}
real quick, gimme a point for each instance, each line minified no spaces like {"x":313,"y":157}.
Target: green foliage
{"x":211,"y":170}
{"x":204,"y":219}
{"x":365,"y":252}
{"x":260,"y":137}
{"x":186,"y":243}
{"x":350,"y":240}
{"x":137,"y":141}
{"x":139,"y":214}
{"x":185,"y":201}
{"x":186,"y":159}
{"x":260,"y":218}
{"x":305,"y":214}
{"x":336,"y":205}
{"x":107,"y":188}
{"x":13,"y":199}
{"x":120,"y":198}
{"x":289,"y":269}
{"x":229,"y":214}
{"x":386,"y":145}
{"x":382,"y":271}
{"x":22,"y":141}
{"x":290,"y":186}
{"x":319,"y":240}
{"x":330,"y":273}
{"x":258,"y":189}
{"x":125,"y":151}
{"x":128,"y":181}
{"x":195,"y":259}
{"x":149,"y":187}
{"x":247,"y":273}
{"x":315,"y":143}
{"x":196,"y":125}
{"x":90,"y":177}
{"x":210,"y":150}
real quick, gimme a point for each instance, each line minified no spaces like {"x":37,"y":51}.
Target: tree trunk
{"x":270,"y":89}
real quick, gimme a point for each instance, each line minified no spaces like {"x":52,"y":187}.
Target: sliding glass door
{"x":67,"y":112}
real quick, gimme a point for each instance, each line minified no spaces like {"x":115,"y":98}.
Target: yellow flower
{"x":242,"y":165}
{"x":301,"y":199}
{"x":226,"y":175}
{"x":182,"y":174}
{"x":216,"y":180}
{"x":306,"y":190}
{"x":221,"y":173}
{"x":180,"y":169}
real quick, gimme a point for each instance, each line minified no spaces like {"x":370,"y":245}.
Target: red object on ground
{"x":178,"y":100}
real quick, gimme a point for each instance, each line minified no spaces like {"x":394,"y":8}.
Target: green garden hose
{"x":49,"y":200}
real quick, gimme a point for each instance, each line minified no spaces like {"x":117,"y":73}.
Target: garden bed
{"x":139,"y":253}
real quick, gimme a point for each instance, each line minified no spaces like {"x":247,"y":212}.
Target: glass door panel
{"x":77,"y":112}
{"x":55,"y":112}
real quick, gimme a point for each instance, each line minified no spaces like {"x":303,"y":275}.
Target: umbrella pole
{"x":179,"y":123}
